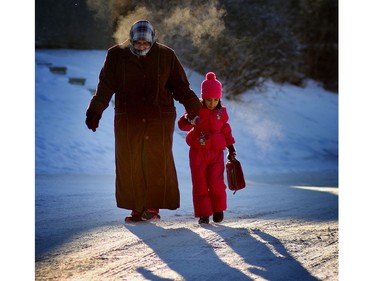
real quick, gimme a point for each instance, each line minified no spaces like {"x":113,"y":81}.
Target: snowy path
{"x":269,"y":233}
{"x":284,"y":135}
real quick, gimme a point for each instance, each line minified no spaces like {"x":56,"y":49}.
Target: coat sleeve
{"x":180,"y":86}
{"x":106,"y":85}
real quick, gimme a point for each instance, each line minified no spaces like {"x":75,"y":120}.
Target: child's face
{"x":211,"y":103}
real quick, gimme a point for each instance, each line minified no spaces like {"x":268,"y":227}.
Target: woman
{"x":146,"y":77}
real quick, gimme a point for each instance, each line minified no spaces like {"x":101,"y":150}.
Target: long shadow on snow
{"x":185,"y":252}
{"x":264,"y":255}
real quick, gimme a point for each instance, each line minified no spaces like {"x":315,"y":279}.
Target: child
{"x":208,"y":136}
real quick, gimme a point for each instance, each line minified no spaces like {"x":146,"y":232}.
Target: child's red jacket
{"x":207,"y":140}
{"x":212,"y":132}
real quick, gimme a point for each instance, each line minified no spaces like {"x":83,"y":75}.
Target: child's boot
{"x":204,"y":220}
{"x":218,"y":216}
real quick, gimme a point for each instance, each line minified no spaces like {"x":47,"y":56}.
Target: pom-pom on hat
{"x":211,"y":88}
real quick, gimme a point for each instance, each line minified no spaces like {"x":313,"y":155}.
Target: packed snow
{"x":282,"y":226}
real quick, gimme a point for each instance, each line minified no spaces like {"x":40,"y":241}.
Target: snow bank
{"x":284,"y":134}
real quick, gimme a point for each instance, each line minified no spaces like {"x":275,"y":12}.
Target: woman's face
{"x":211,"y":103}
{"x":141,"y":45}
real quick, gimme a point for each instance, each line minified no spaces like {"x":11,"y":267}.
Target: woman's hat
{"x":142,"y":30}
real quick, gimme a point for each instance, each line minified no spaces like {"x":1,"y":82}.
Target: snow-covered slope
{"x":284,"y":134}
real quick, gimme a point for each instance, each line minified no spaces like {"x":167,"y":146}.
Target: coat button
{"x":144,"y":120}
{"x":146,"y":137}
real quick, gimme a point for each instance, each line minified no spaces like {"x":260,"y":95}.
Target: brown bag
{"x":235,"y":177}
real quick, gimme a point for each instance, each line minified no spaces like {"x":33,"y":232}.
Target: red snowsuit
{"x":207,"y":141}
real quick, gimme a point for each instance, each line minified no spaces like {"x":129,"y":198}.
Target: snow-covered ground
{"x":283,"y":135}
{"x":282,"y":226}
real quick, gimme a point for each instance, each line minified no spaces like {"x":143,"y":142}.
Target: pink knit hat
{"x":211,"y":88}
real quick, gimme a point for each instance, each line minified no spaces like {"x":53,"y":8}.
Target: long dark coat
{"x":145,"y":89}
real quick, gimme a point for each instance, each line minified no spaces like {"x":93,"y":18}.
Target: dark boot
{"x":218,"y":216}
{"x":135,"y":216}
{"x":204,"y":220}
{"x":151,"y":214}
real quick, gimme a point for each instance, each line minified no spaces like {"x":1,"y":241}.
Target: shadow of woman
{"x":265,"y":254}
{"x":185,"y":252}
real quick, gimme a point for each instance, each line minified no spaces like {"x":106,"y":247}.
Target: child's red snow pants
{"x":207,"y":173}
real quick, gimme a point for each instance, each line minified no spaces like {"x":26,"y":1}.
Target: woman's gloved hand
{"x":92,"y":119}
